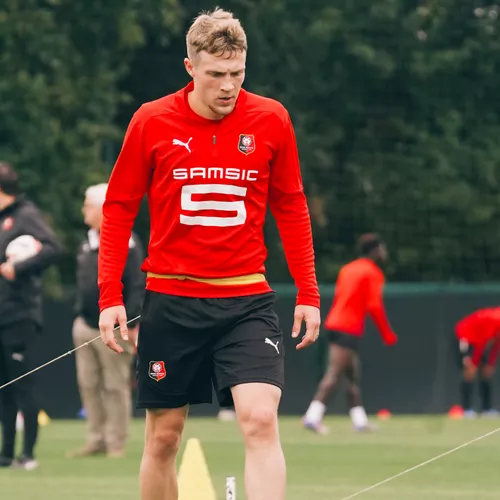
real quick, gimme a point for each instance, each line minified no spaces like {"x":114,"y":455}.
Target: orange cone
{"x":384,"y":414}
{"x":456,"y":412}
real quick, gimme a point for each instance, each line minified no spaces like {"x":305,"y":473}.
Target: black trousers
{"x":17,"y":345}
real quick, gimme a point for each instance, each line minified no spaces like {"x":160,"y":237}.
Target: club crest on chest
{"x":246,"y":144}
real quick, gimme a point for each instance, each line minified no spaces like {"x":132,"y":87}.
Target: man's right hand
{"x":108,"y":318}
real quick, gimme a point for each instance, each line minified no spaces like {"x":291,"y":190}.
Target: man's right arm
{"x":127,"y":186}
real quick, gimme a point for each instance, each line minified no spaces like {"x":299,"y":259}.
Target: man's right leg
{"x":174,"y":368}
{"x":338,"y":360}
{"x":158,"y":474}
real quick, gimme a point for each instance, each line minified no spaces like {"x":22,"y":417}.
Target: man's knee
{"x":163,"y":434}
{"x":487,"y":372}
{"x":257,"y":411}
{"x":164,"y":445}
{"x":259,"y":423}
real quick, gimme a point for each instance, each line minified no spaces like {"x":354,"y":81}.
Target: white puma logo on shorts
{"x":270,"y":342}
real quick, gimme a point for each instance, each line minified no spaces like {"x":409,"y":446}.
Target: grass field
{"x":319,"y":468}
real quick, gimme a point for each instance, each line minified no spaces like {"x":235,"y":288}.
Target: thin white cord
{"x":420,"y":465}
{"x":61,"y":356}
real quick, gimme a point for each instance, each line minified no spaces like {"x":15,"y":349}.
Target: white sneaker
{"x":317,"y":427}
{"x":25,"y":463}
{"x":470,"y":414}
{"x":366,"y":428}
{"x":490,"y":413}
{"x":226,"y":415}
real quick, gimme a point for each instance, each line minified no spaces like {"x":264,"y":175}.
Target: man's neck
{"x":6,"y":200}
{"x":200,"y":109}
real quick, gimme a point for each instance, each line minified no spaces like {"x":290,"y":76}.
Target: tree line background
{"x":395,"y":105}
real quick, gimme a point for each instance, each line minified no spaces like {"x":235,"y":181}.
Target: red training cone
{"x":456,"y":412}
{"x":384,"y":414}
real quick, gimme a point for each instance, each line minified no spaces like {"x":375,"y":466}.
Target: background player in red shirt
{"x":210,"y":157}
{"x":478,"y":336}
{"x":358,"y":292}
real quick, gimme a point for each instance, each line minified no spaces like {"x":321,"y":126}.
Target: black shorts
{"x":187,"y":344}
{"x":345,"y":340}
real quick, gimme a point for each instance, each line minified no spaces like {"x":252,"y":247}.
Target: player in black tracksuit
{"x":20,"y":314}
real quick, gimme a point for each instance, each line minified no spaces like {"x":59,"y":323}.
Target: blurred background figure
{"x":28,"y":246}
{"x":226,"y":415}
{"x":358,"y":292}
{"x":103,"y":376}
{"x":478,"y":336}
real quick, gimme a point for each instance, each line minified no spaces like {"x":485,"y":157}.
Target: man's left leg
{"x":256,"y":407}
{"x":249,"y":373}
{"x":356,"y":409}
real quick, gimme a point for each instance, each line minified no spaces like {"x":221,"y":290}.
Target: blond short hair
{"x":96,"y":195}
{"x":217,"y":33}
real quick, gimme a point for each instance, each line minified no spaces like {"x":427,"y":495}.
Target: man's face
{"x":217,"y":81}
{"x":92,"y":214}
{"x":381,"y":255}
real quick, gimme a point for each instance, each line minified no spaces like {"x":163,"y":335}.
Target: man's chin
{"x":222,"y":110}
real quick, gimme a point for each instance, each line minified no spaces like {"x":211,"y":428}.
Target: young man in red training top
{"x":478,"y":336}
{"x":210,"y":158}
{"x":358,"y":292}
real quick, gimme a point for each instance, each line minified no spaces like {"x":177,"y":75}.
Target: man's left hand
{"x":7,"y":271}
{"x":311,"y":316}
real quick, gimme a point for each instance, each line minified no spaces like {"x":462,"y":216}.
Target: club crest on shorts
{"x":246,"y":144}
{"x":157,"y":370}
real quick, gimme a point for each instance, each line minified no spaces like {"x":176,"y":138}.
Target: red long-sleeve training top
{"x":358,"y":292}
{"x":208,"y":184}
{"x":479,"y":329}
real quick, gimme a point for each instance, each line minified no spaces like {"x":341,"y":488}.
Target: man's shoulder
{"x":262,"y":104}
{"x":362,"y":267}
{"x":163,"y":105}
{"x":27,"y":208}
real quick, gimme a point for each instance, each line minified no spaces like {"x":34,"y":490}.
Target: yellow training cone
{"x":43,"y":419}
{"x":194,"y":479}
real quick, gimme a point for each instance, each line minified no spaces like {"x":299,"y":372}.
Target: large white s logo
{"x":187,"y":203}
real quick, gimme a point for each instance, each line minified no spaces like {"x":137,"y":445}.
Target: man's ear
{"x":189,"y":66}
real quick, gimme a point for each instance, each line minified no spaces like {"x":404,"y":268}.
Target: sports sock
{"x":466,"y":390}
{"x":358,"y":416}
{"x":485,"y":391}
{"x":315,"y":412}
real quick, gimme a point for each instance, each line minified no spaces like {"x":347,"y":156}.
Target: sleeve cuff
{"x":111,"y":294}
{"x":308,"y":299}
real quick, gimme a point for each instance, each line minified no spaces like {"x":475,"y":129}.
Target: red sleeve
{"x":127,"y":186}
{"x":288,"y":205}
{"x":376,"y":308}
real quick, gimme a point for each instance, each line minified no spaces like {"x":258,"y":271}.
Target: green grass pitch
{"x":319,"y":468}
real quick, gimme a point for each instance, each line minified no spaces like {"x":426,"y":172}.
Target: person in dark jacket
{"x":28,"y":246}
{"x":104,"y":376}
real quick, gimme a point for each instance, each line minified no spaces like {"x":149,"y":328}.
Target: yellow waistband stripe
{"x":248,"y":279}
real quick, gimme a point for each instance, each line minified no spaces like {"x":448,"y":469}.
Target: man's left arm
{"x":34,"y":224}
{"x":288,"y":205}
